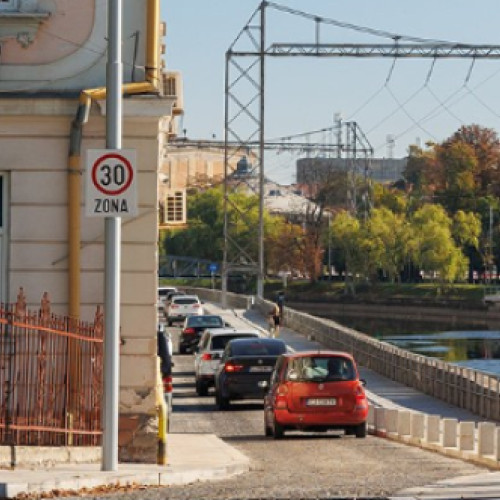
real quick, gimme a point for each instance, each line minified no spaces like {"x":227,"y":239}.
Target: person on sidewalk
{"x":274,"y":320}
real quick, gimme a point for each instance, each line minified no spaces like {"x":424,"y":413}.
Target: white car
{"x":163,"y":291}
{"x":182,"y":306}
{"x":210,"y":348}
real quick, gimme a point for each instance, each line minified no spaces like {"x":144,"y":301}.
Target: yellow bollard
{"x":161,"y":458}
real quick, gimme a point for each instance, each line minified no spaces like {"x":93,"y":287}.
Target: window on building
{"x":175,"y":207}
{"x":9,"y":4}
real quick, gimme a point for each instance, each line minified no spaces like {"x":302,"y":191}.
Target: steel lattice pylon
{"x":245,"y":109}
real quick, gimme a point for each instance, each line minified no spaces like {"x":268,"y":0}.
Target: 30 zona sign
{"x":111,"y":183}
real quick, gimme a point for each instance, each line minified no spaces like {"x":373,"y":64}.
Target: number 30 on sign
{"x":111,"y":183}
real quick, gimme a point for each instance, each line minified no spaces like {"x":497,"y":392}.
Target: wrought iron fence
{"x":51,"y":370}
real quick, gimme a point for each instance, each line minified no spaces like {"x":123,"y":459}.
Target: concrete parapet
{"x":380,"y":426}
{"x":391,"y":420}
{"x":432,"y":428}
{"x":417,"y":426}
{"x":449,"y":435}
{"x":404,"y":423}
{"x":486,"y":438}
{"x":466,"y":436}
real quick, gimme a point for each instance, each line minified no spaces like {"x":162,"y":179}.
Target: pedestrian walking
{"x":274,"y":321}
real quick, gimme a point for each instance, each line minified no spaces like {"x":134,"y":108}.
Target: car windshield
{"x":258,"y":348}
{"x":205,"y":321}
{"x":320,"y":368}
{"x":219,"y":342}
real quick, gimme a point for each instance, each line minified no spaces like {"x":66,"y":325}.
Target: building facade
{"x":52,"y":110}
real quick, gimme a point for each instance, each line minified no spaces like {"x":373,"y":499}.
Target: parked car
{"x":315,"y":391}
{"x":194,"y":326}
{"x":209,"y":353}
{"x":166,"y":364}
{"x":182,"y":306}
{"x":163,"y":291}
{"x":245,"y":369}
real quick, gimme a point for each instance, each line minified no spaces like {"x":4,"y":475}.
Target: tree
{"x":486,"y":146}
{"x":346,"y":236}
{"x":432,"y":246}
{"x":389,"y":236}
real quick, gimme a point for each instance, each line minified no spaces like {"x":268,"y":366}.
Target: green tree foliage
{"x":203,"y":235}
{"x":390,"y":198}
{"x":433,"y":247}
{"x":388,"y":235}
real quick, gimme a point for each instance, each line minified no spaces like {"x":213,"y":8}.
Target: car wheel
{"x":278,"y":431}
{"x":182,"y":349}
{"x":201,"y":388}
{"x":222,"y":402}
{"x":267,"y":430}
{"x":360,"y":430}
{"x":169,"y":323}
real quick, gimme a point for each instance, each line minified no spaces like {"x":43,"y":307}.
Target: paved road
{"x":301,"y":466}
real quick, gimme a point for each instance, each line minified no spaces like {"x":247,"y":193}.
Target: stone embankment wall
{"x":485,"y":317}
{"x":459,"y":386}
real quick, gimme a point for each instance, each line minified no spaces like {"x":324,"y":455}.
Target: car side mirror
{"x":363,"y":381}
{"x":226,"y":324}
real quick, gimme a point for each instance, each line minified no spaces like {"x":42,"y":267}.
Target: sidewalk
{"x":193,"y":457}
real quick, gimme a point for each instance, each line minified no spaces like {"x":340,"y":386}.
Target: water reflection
{"x":459,"y":344}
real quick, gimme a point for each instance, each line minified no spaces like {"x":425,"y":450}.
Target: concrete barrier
{"x":462,"y":387}
{"x":479,"y":444}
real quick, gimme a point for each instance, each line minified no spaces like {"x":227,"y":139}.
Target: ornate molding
{"x":21,"y":26}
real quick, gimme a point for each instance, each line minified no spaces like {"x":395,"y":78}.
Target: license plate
{"x":321,"y":402}
{"x":261,"y":369}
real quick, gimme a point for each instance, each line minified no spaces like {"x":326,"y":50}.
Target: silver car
{"x":209,"y":352}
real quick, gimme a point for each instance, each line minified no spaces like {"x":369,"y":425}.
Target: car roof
{"x":186,"y":297}
{"x":319,"y":353}
{"x":167,"y":288}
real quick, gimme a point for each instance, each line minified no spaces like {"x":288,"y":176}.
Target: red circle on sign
{"x":104,"y":190}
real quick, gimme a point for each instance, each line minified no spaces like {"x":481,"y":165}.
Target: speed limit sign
{"x":111,"y":183}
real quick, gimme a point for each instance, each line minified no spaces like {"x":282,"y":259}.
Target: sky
{"x":399,"y":102}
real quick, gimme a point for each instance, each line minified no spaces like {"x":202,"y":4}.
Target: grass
{"x":302,"y":290}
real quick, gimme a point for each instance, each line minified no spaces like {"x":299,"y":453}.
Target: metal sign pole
{"x":112,"y":245}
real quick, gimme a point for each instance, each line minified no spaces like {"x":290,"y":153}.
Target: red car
{"x":315,"y":391}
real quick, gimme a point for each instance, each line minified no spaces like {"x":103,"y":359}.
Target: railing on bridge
{"x":51,"y":370}
{"x":464,"y":387}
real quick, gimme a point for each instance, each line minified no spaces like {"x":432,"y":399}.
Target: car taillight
{"x":206,"y":356}
{"x":280,"y":399}
{"x":167,"y":384}
{"x":189,"y":331}
{"x":231,"y":367}
{"x":360,"y":396}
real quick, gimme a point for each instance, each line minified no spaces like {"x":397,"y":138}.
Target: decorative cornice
{"x":22,"y":26}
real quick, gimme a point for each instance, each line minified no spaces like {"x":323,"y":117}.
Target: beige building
{"x":52,"y":110}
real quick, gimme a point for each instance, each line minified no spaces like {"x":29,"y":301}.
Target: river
{"x":462,"y":344}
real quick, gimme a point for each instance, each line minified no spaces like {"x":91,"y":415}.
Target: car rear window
{"x":258,"y":348}
{"x":205,"y":321}
{"x":184,"y":301}
{"x":331,"y":368}
{"x":220,"y":341}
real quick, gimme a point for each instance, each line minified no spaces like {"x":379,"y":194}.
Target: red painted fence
{"x":51,"y":371}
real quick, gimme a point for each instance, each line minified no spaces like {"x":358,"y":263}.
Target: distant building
{"x":384,"y":170}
